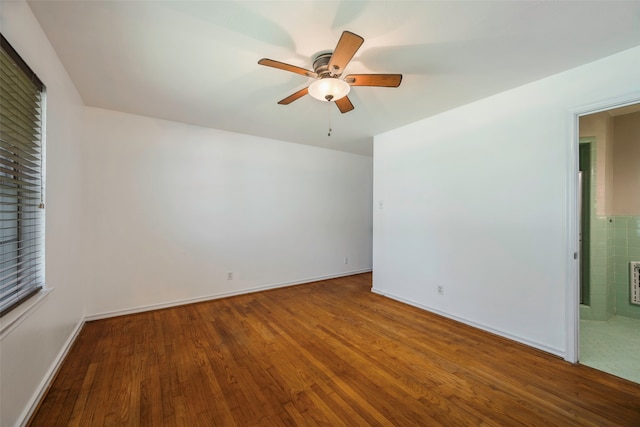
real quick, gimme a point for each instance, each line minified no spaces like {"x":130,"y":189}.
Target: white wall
{"x":175,"y":207}
{"x":29,"y":350}
{"x":476,"y":200}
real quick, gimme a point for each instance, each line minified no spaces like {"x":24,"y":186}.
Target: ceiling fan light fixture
{"x":329,"y":89}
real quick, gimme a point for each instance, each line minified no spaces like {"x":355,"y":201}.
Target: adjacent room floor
{"x":612,"y":346}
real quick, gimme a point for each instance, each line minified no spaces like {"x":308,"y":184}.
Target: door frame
{"x":572,"y":291}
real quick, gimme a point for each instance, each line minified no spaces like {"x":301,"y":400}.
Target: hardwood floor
{"x":326,"y":353}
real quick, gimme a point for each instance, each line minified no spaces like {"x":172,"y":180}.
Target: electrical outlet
{"x":440,"y":290}
{"x":230,"y":275}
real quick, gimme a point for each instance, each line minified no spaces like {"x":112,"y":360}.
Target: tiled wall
{"x":602,"y":294}
{"x":626,"y":248}
{"x":615,"y":241}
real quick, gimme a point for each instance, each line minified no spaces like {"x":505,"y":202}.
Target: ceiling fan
{"x":328,"y":69}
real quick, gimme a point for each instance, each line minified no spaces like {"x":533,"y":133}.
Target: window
{"x":21,"y":180}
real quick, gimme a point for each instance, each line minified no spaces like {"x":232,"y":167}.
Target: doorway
{"x":609,"y":240}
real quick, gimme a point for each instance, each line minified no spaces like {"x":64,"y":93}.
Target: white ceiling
{"x":196,"y":61}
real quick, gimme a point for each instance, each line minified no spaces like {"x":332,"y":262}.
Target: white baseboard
{"x":49,"y":376}
{"x":141,"y":309}
{"x":536,"y":345}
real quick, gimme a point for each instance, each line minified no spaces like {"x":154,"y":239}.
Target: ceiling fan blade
{"x":299,"y":94}
{"x":347,"y":46}
{"x":382,"y":80}
{"x":287,"y":67}
{"x":344,"y":105}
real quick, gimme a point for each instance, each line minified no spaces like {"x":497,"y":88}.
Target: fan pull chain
{"x":329,"y":111}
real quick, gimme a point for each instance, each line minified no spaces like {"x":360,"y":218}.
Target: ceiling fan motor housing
{"x":321,"y":65}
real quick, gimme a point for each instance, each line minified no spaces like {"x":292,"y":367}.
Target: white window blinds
{"x":21,"y":183}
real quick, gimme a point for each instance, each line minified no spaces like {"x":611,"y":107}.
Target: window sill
{"x":11,"y":320}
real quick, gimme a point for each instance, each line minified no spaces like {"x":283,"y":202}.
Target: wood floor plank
{"x":325,"y":353}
